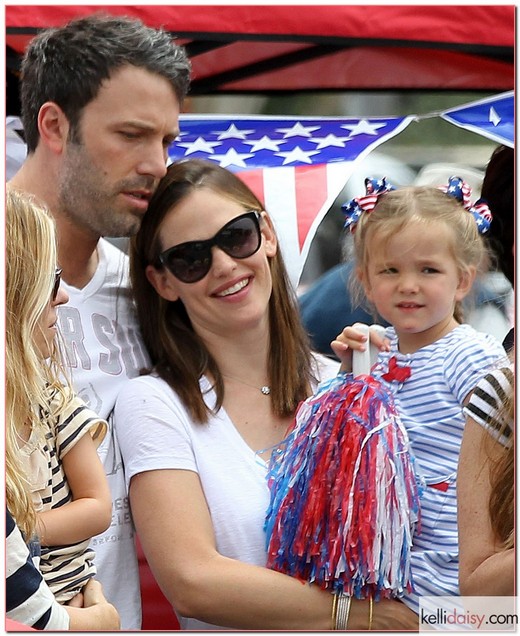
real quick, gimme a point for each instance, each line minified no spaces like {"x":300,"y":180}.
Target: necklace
{"x":265,"y":390}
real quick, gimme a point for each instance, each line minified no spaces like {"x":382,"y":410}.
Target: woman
{"x":231,"y":364}
{"x":33,"y":371}
{"x":485,"y":489}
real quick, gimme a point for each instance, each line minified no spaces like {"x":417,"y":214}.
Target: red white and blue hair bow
{"x":353,"y":210}
{"x":456,"y":188}
{"x":459,"y":189}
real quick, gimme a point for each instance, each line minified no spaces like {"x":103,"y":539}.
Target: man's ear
{"x":466,"y":280}
{"x":162,"y":283}
{"x":270,"y":242}
{"x":53,"y":127}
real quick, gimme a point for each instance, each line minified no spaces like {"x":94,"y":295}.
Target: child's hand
{"x":352,"y":339}
{"x":348,"y":340}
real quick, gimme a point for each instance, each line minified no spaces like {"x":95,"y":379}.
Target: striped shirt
{"x":65,"y":568}
{"x":487,"y":401}
{"x":430,"y":403}
{"x":28,"y":598}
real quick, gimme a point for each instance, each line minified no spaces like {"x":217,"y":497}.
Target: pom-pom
{"x":344,"y":495}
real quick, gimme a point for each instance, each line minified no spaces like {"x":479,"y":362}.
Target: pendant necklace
{"x":265,"y":390}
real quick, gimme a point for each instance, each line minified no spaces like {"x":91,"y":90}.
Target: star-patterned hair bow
{"x":459,"y":189}
{"x":353,"y":210}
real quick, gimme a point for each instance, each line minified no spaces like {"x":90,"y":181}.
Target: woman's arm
{"x":485,"y":569}
{"x":90,"y":511}
{"x":177,"y":536}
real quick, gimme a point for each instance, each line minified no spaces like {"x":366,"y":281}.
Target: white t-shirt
{"x":156,"y":432}
{"x":104,"y":349}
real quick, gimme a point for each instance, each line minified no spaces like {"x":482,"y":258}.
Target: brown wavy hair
{"x":178,"y":354}
{"x":502,"y":480}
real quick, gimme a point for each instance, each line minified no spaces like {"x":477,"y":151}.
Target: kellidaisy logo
{"x":467,"y":613}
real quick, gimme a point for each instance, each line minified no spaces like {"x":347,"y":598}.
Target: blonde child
{"x":56,"y":489}
{"x":417,"y":251}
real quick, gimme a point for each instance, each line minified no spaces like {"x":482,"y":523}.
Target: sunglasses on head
{"x":191,"y":261}
{"x":57,"y":280}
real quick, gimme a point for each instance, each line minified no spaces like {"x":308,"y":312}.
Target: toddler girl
{"x":417,"y":251}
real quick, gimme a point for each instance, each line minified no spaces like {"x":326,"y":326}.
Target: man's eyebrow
{"x":145,"y":126}
{"x":134,"y":123}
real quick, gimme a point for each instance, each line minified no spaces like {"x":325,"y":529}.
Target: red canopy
{"x":280,"y":48}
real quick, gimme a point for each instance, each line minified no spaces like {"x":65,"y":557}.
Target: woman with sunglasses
{"x":231,"y":362}
{"x":56,"y":489}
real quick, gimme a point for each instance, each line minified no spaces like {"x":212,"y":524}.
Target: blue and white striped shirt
{"x":430,"y":403}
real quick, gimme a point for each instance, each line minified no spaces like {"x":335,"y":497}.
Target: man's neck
{"x":77,"y":253}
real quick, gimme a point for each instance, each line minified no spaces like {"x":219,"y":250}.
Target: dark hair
{"x":68,"y":64}
{"x":176,"y":351}
{"x":498,"y":188}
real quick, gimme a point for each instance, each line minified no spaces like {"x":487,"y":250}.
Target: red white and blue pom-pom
{"x":344,"y":494}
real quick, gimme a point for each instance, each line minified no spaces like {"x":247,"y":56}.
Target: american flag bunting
{"x":296,"y":166}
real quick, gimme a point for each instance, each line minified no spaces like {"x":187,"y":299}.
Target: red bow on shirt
{"x":395,"y":372}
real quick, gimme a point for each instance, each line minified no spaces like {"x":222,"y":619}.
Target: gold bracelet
{"x":370,"y":612}
{"x":334,"y":609}
{"x":343,"y":612}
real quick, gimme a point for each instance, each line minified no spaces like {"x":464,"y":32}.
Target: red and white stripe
{"x":297,"y":199}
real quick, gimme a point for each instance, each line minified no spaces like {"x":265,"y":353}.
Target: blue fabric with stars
{"x":245,"y":143}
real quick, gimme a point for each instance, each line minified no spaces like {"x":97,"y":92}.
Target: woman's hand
{"x":90,"y":611}
{"x":393,"y":615}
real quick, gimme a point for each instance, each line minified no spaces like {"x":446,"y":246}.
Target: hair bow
{"x":459,"y":189}
{"x":353,"y":210}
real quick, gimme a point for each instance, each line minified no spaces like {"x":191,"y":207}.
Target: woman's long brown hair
{"x":502,"y":480}
{"x":177,"y":353}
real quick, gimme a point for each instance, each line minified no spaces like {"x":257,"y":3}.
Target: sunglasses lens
{"x":57,"y":280}
{"x":190,"y":262}
{"x":240,"y":239}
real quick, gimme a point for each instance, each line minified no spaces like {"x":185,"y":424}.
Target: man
{"x":101,"y":98}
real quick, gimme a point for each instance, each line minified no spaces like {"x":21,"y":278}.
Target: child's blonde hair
{"x":30,"y":261}
{"x":396,"y":209}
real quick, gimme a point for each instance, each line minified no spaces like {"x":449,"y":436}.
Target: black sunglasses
{"x":57,"y":281}
{"x":191,"y":261}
